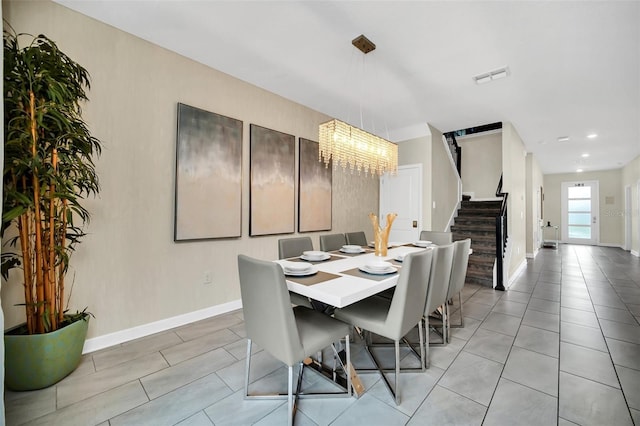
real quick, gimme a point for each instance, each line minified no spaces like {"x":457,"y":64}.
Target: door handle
{"x":594,"y":219}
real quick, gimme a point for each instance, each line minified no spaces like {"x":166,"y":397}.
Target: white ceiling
{"x":574,"y":66}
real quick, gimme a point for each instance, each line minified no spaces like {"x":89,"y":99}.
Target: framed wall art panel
{"x":272,"y":189}
{"x":208,"y":193}
{"x":314,"y":189}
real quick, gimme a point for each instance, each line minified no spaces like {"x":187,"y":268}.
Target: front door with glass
{"x":580,"y":222}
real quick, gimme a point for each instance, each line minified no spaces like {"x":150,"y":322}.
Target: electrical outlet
{"x":207,"y":277}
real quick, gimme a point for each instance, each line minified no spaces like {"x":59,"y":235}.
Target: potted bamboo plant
{"x":48,"y":170}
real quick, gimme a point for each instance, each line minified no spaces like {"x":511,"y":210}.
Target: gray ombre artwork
{"x":272,"y":191}
{"x":314,"y":189}
{"x":208,"y":196}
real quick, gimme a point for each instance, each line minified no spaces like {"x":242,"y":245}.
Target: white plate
{"x":422,"y":243}
{"x":400,"y":257}
{"x":295,"y":266}
{"x":351,"y":247}
{"x":389,"y":270}
{"x":315,"y":258}
{"x":380,"y":265}
{"x":311,"y":271}
{"x":314,"y":253}
{"x":352,"y":251}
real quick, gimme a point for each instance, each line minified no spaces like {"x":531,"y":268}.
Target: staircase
{"x":477,"y":220}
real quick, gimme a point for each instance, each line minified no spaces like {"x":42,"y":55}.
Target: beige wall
{"x":128,"y":271}
{"x":631,"y":177}
{"x":444,"y":189}
{"x":481,"y":164}
{"x":611,"y":230}
{"x":534,"y":188}
{"x":418,"y":151}
{"x":514,"y":182}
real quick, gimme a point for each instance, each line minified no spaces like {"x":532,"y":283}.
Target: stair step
{"x":483,"y":281}
{"x":475,"y":220}
{"x":476,"y":238}
{"x":474,"y":229}
{"x":481,"y":204}
{"x":478,"y":212}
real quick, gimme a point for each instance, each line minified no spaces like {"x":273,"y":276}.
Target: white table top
{"x":347,"y":289}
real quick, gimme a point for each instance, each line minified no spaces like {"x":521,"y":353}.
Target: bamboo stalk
{"x":63,"y":243}
{"x":39,"y":260}
{"x":52,"y":241}
{"x":23,"y":232}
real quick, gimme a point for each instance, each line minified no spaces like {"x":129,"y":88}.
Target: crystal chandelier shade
{"x":357,"y":149}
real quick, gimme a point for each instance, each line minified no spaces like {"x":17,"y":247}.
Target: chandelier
{"x":355,"y":148}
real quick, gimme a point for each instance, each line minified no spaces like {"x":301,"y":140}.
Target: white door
{"x":402,"y":194}
{"x":580,"y":218}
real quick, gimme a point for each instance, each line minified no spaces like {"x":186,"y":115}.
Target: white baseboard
{"x":516,"y":273}
{"x":611,"y":245}
{"x":532,"y":255}
{"x":635,"y":253}
{"x":111,"y":339}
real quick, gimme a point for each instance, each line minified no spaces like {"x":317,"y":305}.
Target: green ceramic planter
{"x":41,"y":360}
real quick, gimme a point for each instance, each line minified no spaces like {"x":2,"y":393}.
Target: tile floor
{"x":560,"y":346}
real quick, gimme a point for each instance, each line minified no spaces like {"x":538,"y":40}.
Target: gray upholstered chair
{"x":289,"y":334}
{"x":461,"y":250}
{"x":394,"y":318}
{"x":330,"y":242}
{"x":438,"y":238}
{"x":438,"y":291}
{"x":356,"y":238}
{"x":293,"y":247}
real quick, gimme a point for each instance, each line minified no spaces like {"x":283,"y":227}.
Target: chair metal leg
{"x":246,"y":369}
{"x":442,"y":313}
{"x":397,"y":395}
{"x":421,"y":334}
{"x":299,"y":394}
{"x":348,"y":370}
{"x":461,"y":313}
{"x":290,"y":398}
{"x":426,"y":344}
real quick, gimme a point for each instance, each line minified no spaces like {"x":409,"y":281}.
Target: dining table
{"x":339,"y":280}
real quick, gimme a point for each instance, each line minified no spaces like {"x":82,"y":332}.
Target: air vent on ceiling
{"x":491,"y":75}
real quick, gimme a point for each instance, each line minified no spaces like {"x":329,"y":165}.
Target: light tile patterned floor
{"x":560,"y":346}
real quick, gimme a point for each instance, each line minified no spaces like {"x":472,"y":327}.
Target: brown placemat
{"x":313,"y":279}
{"x":313,"y":262}
{"x":358,"y":273}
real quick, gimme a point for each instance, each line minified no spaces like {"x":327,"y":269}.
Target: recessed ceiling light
{"x":563,"y":138}
{"x":585,"y":155}
{"x":579,"y":170}
{"x":592,"y":135}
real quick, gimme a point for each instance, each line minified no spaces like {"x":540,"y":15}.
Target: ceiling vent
{"x":492,"y":75}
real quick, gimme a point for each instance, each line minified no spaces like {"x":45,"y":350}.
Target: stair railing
{"x":501,"y":236}
{"x":456,"y":151}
